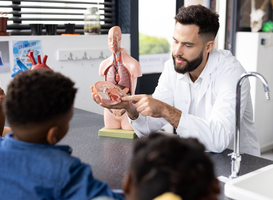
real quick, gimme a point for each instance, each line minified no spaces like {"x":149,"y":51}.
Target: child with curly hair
{"x":39,"y":105}
{"x":168,"y":167}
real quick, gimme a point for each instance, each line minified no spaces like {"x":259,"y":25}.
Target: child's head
{"x":39,"y":105}
{"x":163,"y":163}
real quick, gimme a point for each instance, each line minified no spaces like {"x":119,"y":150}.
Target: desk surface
{"x":109,"y":157}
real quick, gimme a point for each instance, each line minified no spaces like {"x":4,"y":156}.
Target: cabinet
{"x":255,"y":52}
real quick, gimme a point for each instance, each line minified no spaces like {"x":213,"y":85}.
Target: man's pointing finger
{"x":133,"y":98}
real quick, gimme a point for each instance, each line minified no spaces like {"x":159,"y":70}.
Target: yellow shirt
{"x":168,"y":196}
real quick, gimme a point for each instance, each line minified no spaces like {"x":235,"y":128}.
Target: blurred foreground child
{"x":39,"y":105}
{"x":170,"y":168}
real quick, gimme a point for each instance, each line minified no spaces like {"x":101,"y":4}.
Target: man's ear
{"x":52,"y":135}
{"x":127,"y":182}
{"x":209,"y":46}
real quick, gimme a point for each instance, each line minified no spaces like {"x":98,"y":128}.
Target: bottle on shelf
{"x":92,"y":21}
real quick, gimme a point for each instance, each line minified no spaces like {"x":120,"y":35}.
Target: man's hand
{"x":146,"y":105}
{"x":122,"y":105}
{"x":95,"y":96}
{"x":127,"y":105}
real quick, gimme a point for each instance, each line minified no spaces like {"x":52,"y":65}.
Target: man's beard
{"x":190,"y":65}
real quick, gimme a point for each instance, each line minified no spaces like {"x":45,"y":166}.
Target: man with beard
{"x":196,"y":91}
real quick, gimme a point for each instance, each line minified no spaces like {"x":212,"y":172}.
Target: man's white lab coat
{"x":214,"y":121}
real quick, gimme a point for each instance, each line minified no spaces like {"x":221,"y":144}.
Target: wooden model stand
{"x":120,"y":133}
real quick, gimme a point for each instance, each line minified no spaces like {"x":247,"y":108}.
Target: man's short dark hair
{"x":204,"y":18}
{"x":36,"y":96}
{"x":162,"y":163}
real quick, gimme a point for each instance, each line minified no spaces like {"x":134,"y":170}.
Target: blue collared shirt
{"x":37,"y":171}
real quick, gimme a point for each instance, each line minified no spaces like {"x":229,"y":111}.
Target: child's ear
{"x":52,"y":135}
{"x":127,"y":182}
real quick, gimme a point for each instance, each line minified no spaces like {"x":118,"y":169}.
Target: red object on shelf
{"x":40,"y":65}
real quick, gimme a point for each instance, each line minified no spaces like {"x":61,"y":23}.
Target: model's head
{"x":114,"y":39}
{"x":195,"y":30}
{"x":162,"y":163}
{"x":38,"y":102}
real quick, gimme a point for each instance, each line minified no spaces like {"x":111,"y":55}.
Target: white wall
{"x":220,"y":37}
{"x":83,"y":72}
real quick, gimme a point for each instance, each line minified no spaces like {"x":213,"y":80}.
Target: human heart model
{"x":23,"y":68}
{"x":40,"y":64}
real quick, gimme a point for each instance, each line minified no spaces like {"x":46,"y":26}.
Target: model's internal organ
{"x":40,"y":64}
{"x":119,"y":76}
{"x":109,"y":93}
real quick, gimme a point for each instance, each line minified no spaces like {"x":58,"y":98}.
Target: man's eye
{"x":188,"y":46}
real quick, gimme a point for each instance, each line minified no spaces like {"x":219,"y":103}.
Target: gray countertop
{"x":109,"y":157}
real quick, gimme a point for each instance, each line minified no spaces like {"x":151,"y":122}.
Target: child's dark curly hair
{"x":164,"y":163}
{"x":204,"y":18}
{"x":35,"y":96}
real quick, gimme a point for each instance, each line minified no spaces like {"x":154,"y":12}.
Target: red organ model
{"x":22,"y":67}
{"x":40,"y":64}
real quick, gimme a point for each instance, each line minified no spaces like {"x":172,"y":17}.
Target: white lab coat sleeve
{"x":216,"y":130}
{"x":145,"y":125}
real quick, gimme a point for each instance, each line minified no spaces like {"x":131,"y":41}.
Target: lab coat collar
{"x":207,"y":71}
{"x":212,"y":62}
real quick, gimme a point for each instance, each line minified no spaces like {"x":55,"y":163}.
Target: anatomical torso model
{"x":121,"y":70}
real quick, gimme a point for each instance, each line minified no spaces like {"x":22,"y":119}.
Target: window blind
{"x":22,"y":13}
